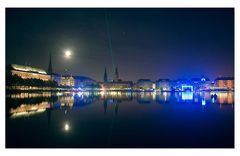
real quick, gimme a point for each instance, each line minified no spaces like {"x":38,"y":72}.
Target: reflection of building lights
{"x":187,"y":95}
{"x":203,"y":102}
{"x":59,"y":94}
{"x":165,"y":96}
{"x":154,"y":95}
{"x":79,"y":94}
{"x":213,"y":100}
{"x":102,"y":93}
{"x":27,"y":113}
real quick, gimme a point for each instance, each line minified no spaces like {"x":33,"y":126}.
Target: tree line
{"x":14,"y":80}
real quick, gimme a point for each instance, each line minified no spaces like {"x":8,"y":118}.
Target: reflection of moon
{"x":66,"y":127}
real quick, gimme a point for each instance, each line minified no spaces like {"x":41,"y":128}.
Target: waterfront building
{"x":196,"y":83}
{"x":145,"y":85}
{"x":163,"y":85}
{"x":114,"y":86}
{"x":28,"y":72}
{"x":206,"y":84}
{"x":56,"y":77}
{"x":83,"y":82}
{"x":224,"y":83}
{"x":200,"y":84}
{"x":67,"y":80}
{"x":179,"y":83}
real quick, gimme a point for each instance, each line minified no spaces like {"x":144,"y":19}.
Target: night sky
{"x":146,"y":43}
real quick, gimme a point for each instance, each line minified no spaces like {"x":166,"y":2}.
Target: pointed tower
{"x":105,"y":79}
{"x":116,"y":74}
{"x":50,"y":71}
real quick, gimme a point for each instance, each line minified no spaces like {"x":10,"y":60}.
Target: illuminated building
{"x":56,"y":77}
{"x":177,"y":84}
{"x":163,"y":85}
{"x":83,"y":82}
{"x":76,"y":81}
{"x":120,"y":85}
{"x":196,"y":83}
{"x":202,"y":83}
{"x":144,"y":84}
{"x":27,"y":72}
{"x":67,"y":80}
{"x":115,"y":84}
{"x":187,"y":88}
{"x":224,"y":83}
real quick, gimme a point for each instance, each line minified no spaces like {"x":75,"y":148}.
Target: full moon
{"x":68,"y":53}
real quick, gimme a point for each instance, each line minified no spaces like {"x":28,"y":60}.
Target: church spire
{"x":116,"y":74}
{"x":105,"y":75}
{"x":50,"y":71}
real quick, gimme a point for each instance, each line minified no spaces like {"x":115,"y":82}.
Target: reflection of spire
{"x":50,"y":65}
{"x":49,"y":112}
{"x":116,"y":108}
{"x":105,"y":75}
{"x":105,"y":106}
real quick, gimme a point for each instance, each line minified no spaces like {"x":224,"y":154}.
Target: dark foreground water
{"x":120,"y":119}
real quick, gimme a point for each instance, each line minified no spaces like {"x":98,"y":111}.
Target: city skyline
{"x":146,"y":43}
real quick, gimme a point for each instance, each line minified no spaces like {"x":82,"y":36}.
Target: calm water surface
{"x":120,"y":119}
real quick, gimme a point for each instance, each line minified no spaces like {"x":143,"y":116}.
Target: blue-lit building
{"x":56,"y":77}
{"x":83,"y":82}
{"x":178,"y":84}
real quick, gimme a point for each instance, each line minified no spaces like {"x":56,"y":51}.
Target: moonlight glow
{"x":68,"y":53}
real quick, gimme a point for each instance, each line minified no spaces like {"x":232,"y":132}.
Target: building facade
{"x":116,"y":86}
{"x":163,"y":85}
{"x":83,"y":82}
{"x":145,"y":85}
{"x":67,"y":80}
{"x":224,"y":83}
{"x":28,"y":72}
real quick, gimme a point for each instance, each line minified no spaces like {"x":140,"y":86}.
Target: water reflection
{"x":26,"y":104}
{"x":66,"y":127}
{"x":101,"y":118}
{"x":29,"y":109}
{"x":187,"y":96}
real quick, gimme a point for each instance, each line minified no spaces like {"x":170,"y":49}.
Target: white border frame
{"x":119,"y":3}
